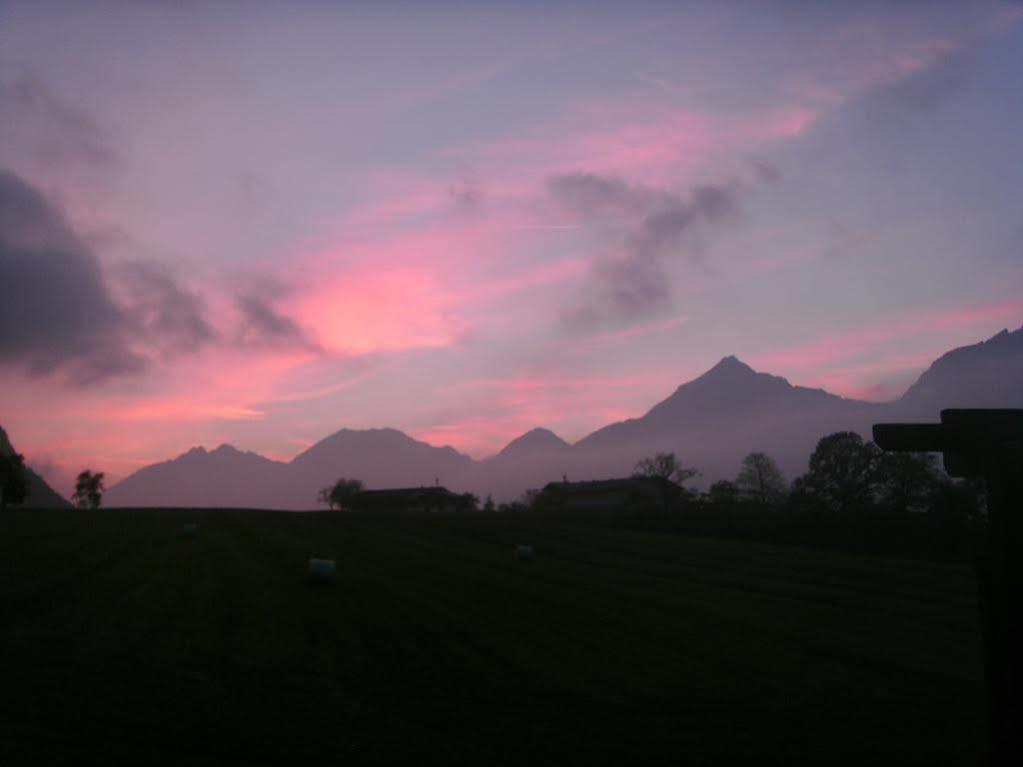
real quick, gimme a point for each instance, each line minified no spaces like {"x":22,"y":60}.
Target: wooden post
{"x":988,"y":444}
{"x":1004,"y":589}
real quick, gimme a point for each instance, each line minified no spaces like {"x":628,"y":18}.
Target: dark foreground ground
{"x":122,"y":640}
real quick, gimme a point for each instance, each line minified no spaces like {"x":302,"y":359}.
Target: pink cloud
{"x":544,"y":274}
{"x":851,"y":362}
{"x":866,"y":339}
{"x":390,"y":309}
{"x":183,"y":409}
{"x":644,"y":142}
{"x":409,"y":270}
{"x":636,"y":331}
{"x":885,"y":391}
{"x":403,"y":265}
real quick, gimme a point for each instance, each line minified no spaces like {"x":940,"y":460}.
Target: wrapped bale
{"x":321,"y":571}
{"x":524,"y":553}
{"x":190,"y":529}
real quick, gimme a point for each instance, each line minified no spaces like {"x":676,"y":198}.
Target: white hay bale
{"x":190,"y":529}
{"x":321,"y":570}
{"x":524,"y":553}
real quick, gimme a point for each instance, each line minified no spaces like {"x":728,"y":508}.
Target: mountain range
{"x":710,"y":422}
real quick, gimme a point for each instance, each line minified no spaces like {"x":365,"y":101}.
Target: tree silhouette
{"x":468,"y":502}
{"x":907,"y":481}
{"x":88,"y":490}
{"x":13,"y":480}
{"x":666,"y":466}
{"x":723,"y":491}
{"x":842,"y":473}
{"x":488,"y":504}
{"x":760,"y":480}
{"x":340,"y":495}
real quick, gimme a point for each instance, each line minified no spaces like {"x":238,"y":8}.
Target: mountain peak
{"x":540,"y":433}
{"x":730,"y":365}
{"x":534,"y":440}
{"x":373,"y":454}
{"x":199,"y":452}
{"x":729,"y":371}
{"x":731,"y":384}
{"x":378,"y":433}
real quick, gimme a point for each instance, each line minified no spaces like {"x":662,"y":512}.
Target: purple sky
{"x":258,"y":223}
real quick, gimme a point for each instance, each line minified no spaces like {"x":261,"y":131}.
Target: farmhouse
{"x":411,"y":499}
{"x":628,"y":494}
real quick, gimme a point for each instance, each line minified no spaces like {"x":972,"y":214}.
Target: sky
{"x":260,"y":223}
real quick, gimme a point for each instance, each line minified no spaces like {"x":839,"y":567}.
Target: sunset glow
{"x":323,"y":220}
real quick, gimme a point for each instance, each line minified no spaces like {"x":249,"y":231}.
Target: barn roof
{"x":405,"y":491}
{"x":610,"y":485}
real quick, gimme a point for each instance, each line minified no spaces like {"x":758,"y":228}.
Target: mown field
{"x":122,"y":640}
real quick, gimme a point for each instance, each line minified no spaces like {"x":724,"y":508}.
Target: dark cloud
{"x":635,"y":283}
{"x":56,"y":311}
{"x":62,"y":313}
{"x":620,"y":291}
{"x":262,"y":324}
{"x":43,"y":126}
{"x":589,"y":194}
{"x":161,"y":313}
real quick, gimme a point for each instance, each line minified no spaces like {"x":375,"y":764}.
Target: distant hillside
{"x":536,"y":457}
{"x":225,"y":477}
{"x":987,"y":374}
{"x":40,"y":494}
{"x":380,"y":458}
{"x":228,"y":477}
{"x":711,"y":422}
{"x":534,"y":442}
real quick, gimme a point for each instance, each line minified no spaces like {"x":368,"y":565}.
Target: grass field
{"x":120,"y":639}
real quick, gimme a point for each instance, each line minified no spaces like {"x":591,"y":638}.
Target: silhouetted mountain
{"x":711,"y":423}
{"x":987,"y":374}
{"x":381,"y":458}
{"x":533,"y":442}
{"x":225,"y":477}
{"x":40,"y":495}
{"x":536,"y":457}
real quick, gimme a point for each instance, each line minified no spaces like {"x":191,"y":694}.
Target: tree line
{"x":845,"y":475}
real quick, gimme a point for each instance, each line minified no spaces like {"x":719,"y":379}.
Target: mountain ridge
{"x":989,"y":375}
{"x":710,"y":421}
